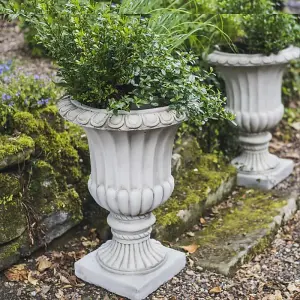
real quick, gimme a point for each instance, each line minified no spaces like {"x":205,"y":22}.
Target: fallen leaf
{"x":215,"y":290}
{"x":63,"y":279}
{"x":191,"y":234}
{"x":73,"y":280}
{"x":45,"y":289}
{"x":67,"y":286}
{"x":296,"y":126}
{"x":292,"y":288}
{"x":276,"y":296}
{"x":60,"y":295}
{"x":202,"y":221}
{"x":276,"y":145}
{"x":31,"y":278}
{"x":292,"y":155}
{"x":91,"y":243}
{"x":190,"y":248}
{"x":17,"y":273}
{"x":43,"y":264}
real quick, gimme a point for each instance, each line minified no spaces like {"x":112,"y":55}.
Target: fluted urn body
{"x":253,"y":87}
{"x":130,"y":176}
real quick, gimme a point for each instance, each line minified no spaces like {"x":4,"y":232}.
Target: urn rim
{"x":220,"y":58}
{"x":102,"y":119}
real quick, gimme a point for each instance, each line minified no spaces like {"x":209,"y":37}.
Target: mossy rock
{"x":241,"y":230}
{"x":70,"y":202}
{"x":12,"y":215}
{"x":48,"y":192}
{"x":52,"y":117}
{"x":15,"y":150}
{"x":43,"y":186}
{"x":10,"y":253}
{"x":199,"y":185}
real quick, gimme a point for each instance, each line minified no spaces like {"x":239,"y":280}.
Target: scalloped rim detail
{"x":86,"y":116}
{"x":219,"y":58}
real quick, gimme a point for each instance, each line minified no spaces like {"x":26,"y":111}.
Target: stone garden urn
{"x":130,"y":177}
{"x":253,"y":87}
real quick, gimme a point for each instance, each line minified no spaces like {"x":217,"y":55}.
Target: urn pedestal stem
{"x":131,"y":251}
{"x":253,"y":87}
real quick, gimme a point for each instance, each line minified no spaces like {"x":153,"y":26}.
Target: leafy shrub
{"x":259,"y":28}
{"x":291,"y":83}
{"x":115,"y":61}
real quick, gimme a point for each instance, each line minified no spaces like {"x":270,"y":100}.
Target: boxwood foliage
{"x":115,"y":61}
{"x":255,"y":26}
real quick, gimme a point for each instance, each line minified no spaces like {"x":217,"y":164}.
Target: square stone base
{"x":266,"y":180}
{"x":134,"y":287}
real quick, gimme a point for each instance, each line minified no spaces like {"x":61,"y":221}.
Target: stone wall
{"x":44,"y":166}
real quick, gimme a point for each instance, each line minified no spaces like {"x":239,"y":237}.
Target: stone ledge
{"x":15,"y":150}
{"x":54,"y":225}
{"x":201,"y":181}
{"x":242,"y":231}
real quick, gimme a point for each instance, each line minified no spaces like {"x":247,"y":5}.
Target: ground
{"x":49,"y":273}
{"x":274,"y":272}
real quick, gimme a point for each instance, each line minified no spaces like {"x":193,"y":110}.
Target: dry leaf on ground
{"x":60,"y":295}
{"x":190,"y":248}
{"x":43,"y":263}
{"x":63,"y":279}
{"x":17,"y":273}
{"x":276,"y":296}
{"x":215,"y":290}
{"x":296,"y":126}
{"x":31,"y":278}
{"x":202,"y":221}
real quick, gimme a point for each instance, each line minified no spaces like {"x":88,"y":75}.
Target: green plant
{"x":24,"y":92}
{"x":116,"y":61}
{"x":291,"y":83}
{"x":258,"y":26}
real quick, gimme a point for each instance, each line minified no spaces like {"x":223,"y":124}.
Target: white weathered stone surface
{"x":253,"y":86}
{"x":130,"y":176}
{"x":134,"y":287}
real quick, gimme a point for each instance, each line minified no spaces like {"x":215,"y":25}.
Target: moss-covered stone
{"x":15,"y":150}
{"x":9,"y":253}
{"x":200,"y":184}
{"x":51,"y":115}
{"x":26,"y":123}
{"x":70,"y":202}
{"x":12,"y":215}
{"x":241,"y":230}
{"x":257,"y":209}
{"x":49,"y":182}
{"x":43,"y":186}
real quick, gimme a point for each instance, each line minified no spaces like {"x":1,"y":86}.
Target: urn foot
{"x":268,"y":179}
{"x":131,"y":251}
{"x":255,"y":157}
{"x":132,"y":286}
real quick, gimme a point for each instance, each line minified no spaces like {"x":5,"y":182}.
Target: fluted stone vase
{"x":253,"y":87}
{"x":130,"y":177}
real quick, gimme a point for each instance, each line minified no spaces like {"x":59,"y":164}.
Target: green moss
{"x":256,"y":211}
{"x":26,"y":123}
{"x":51,"y":115}
{"x":15,"y":149}
{"x":9,"y":250}
{"x":12,"y":216}
{"x":43,"y":185}
{"x":192,"y":186}
{"x":70,"y":202}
